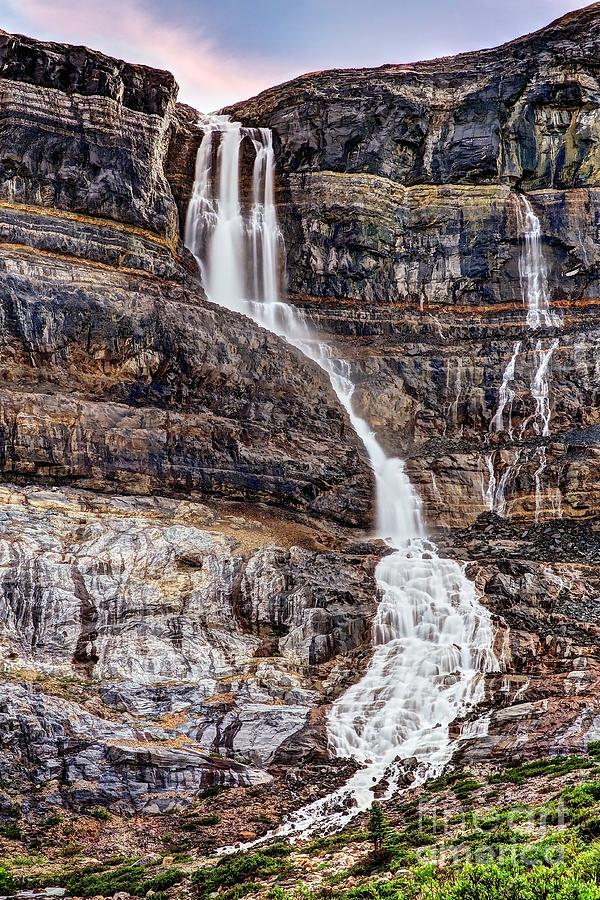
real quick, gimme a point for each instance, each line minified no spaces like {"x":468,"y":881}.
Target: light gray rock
{"x":166,"y":647}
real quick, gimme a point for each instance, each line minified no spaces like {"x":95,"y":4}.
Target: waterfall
{"x":533,"y":272}
{"x":432,"y":638}
{"x":507,"y":394}
{"x":535,"y":291}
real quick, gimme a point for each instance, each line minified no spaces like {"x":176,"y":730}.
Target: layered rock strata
{"x":183,"y":586}
{"x":399,"y":197}
{"x":151,"y":645}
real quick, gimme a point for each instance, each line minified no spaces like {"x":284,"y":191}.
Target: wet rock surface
{"x":186,"y":579}
{"x":151,"y":645}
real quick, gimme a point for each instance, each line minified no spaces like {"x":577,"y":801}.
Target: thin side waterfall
{"x":533,"y":272}
{"x":432,"y":638}
{"x":533,"y":277}
{"x":507,"y":393}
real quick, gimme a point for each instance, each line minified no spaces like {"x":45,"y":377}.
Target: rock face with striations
{"x":182,"y":498}
{"x":401,"y":196}
{"x":184,"y":578}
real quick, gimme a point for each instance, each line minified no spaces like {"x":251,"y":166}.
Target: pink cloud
{"x":208,"y":78}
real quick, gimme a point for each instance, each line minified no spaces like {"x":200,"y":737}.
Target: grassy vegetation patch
{"x":97,"y":880}
{"x":333,"y":842}
{"x":551,"y":768}
{"x":242,"y":869}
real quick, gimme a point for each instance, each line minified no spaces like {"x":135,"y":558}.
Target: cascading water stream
{"x":535,"y":291}
{"x":533,"y":272}
{"x":432,"y":638}
{"x":507,"y":393}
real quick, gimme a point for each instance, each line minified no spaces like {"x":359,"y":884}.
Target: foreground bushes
{"x":477,"y":882}
{"x":242,"y":870}
{"x":92,"y":882}
{"x":7,"y":882}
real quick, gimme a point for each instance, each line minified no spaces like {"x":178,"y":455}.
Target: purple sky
{"x":226,"y":50}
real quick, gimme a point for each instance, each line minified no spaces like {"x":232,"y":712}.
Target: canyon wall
{"x":186,"y":579}
{"x":401,"y":197}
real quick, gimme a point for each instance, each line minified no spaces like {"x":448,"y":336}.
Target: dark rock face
{"x":400,"y":195}
{"x":542,"y":584}
{"x":132,"y":385}
{"x":473,"y":118}
{"x":104,"y":329}
{"x":123,"y":387}
{"x":85,"y":133}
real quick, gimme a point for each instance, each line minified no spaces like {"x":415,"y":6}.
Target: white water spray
{"x":533,"y":272}
{"x":432,"y":638}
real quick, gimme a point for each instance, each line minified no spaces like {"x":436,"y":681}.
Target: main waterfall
{"x":432,"y":638}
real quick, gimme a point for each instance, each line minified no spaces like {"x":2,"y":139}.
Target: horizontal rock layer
{"x":151,"y":647}
{"x":399,"y":195}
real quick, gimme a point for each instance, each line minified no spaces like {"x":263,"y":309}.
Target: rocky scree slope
{"x":401,"y":196}
{"x":183,"y":502}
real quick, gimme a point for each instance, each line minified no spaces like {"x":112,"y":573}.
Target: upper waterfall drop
{"x":533,"y":271}
{"x":432,"y":638}
{"x":535,"y":291}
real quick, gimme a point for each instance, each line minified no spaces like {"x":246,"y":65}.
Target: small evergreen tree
{"x":378,"y":826}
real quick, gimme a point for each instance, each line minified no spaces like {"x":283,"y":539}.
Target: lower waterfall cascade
{"x":433,"y":640}
{"x":535,"y":292}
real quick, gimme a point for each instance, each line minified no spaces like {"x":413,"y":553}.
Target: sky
{"x":221,"y":51}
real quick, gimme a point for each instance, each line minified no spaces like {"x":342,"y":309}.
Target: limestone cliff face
{"x":182,"y":498}
{"x":184,"y":578}
{"x":401,"y":197}
{"x":399,"y":194}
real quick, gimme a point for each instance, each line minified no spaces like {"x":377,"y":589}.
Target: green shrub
{"x":7,"y":881}
{"x":465,"y":787}
{"x":333,"y":842}
{"x":53,"y":820}
{"x":581,"y":797}
{"x":589,"y":826}
{"x":242,"y":868}
{"x":99,"y":812}
{"x":553,"y":767}
{"x":499,"y":817}
{"x":214,"y":791}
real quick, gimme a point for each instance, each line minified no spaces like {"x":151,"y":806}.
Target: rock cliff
{"x":400,"y":201}
{"x":402,"y":195}
{"x":182,"y":501}
{"x":185,"y":575}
